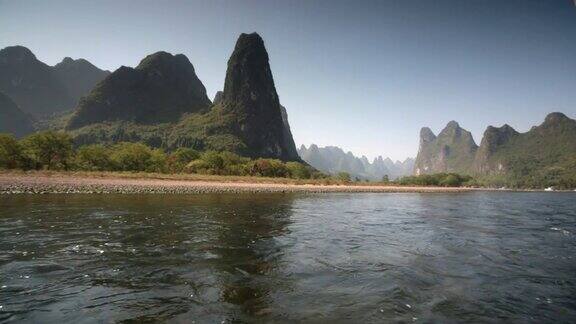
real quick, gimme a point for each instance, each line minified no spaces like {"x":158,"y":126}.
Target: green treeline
{"x":438,"y":180}
{"x":55,"y":151}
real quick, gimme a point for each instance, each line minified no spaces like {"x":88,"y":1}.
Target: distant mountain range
{"x":544,"y":154}
{"x":332,"y":160}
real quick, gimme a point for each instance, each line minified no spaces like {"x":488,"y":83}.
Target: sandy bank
{"x":62,"y":182}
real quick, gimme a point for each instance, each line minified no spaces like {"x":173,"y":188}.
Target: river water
{"x":357,"y":258}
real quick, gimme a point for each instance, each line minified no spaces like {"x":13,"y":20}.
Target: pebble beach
{"x":63,"y":183}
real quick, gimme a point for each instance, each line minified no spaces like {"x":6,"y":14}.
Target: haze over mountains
{"x":332,"y":160}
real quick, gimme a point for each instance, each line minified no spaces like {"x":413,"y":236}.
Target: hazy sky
{"x":362,"y":75}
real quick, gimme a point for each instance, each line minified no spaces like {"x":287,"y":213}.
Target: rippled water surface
{"x":480,"y":257}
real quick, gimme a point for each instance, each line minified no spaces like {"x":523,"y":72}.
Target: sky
{"x":361,"y":75}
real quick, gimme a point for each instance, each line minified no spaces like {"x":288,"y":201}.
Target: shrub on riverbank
{"x":10,"y":152}
{"x":438,"y":179}
{"x":54,"y":151}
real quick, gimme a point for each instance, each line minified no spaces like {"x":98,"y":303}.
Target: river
{"x":364,"y":258}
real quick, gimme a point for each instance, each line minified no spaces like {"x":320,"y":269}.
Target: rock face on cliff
{"x":12,"y":119}
{"x":218,"y":98}
{"x":250,"y":95}
{"x":78,"y":76}
{"x":287,"y":133}
{"x":493,"y":140}
{"x":31,"y":84}
{"x":453,"y":150}
{"x":332,"y":160}
{"x":161,"y":89}
{"x":164,"y":104}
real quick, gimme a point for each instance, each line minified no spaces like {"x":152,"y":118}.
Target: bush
{"x":53,"y":150}
{"x":131,"y":156}
{"x":157,"y":161}
{"x":94,"y":158}
{"x":343,"y":176}
{"x":221,"y":163}
{"x":213,"y":162}
{"x":267,"y":168}
{"x":438,"y":179}
{"x":10,"y":152}
{"x":234,"y":164}
{"x":197,"y":166}
{"x":49,"y":150}
{"x":179,"y":159}
{"x":298,"y":170}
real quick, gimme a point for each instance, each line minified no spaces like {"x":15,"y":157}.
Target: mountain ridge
{"x":542,"y":156}
{"x":245,"y":118}
{"x":333,"y":159}
{"x":40,"y":89}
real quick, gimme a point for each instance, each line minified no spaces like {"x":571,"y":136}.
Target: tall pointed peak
{"x":250,"y":96}
{"x":452,"y":124}
{"x":451,"y":127}
{"x":248,"y":77}
{"x":453,"y":130}
{"x":250,"y":42}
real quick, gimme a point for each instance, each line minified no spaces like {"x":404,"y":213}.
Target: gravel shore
{"x":38,"y":183}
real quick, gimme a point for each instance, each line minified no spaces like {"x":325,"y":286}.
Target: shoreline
{"x":47,"y":182}
{"x":44,"y":182}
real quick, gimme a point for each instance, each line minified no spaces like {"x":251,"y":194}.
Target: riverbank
{"x":41,"y":182}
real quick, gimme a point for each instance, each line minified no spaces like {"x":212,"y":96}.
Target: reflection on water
{"x":314,"y":258}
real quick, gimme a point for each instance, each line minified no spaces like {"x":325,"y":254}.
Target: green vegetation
{"x":47,"y":150}
{"x":438,"y":179}
{"x":534,"y":173}
{"x":543,"y":157}
{"x":10,"y":152}
{"x":54,"y":151}
{"x":343,"y":176}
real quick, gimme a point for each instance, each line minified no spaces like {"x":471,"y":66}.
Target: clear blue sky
{"x":363,"y":75}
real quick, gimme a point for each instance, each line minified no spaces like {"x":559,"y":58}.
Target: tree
{"x":10,"y":152}
{"x":177,"y":161}
{"x":156,"y":162}
{"x":451,"y":180}
{"x":49,"y":150}
{"x":298,"y":170}
{"x":385,"y":178}
{"x":267,"y":168}
{"x":94,"y":158}
{"x":213,"y":161}
{"x":131,"y":156}
{"x":343,"y":176}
